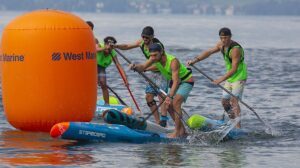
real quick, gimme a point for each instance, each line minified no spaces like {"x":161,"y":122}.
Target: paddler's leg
{"x":164,"y":86}
{"x":179,"y":127}
{"x":171,"y":112}
{"x":181,"y":96}
{"x":237,"y":90}
{"x":150,"y":93}
{"x":235,"y":109}
{"x":163,"y":117}
{"x":153,"y":106}
{"x":227,"y":106}
{"x":102,"y":83}
{"x":226,"y":100}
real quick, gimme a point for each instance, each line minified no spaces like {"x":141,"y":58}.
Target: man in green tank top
{"x":143,"y":43}
{"x":180,"y":86}
{"x":105,"y":56}
{"x":236,"y":71}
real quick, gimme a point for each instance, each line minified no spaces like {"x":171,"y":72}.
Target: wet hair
{"x":156,"y":47}
{"x":155,"y":40}
{"x":110,"y":40}
{"x":225,"y":32}
{"x":91,"y":24}
{"x":148,"y":31}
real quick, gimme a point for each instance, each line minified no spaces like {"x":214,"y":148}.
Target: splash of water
{"x":214,"y":136}
{"x":271,"y":130}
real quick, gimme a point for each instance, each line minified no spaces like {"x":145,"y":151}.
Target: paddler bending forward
{"x":181,"y":83}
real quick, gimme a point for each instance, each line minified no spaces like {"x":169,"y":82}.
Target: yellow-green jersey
{"x":105,"y":60}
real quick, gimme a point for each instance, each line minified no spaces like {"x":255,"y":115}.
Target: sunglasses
{"x":146,"y":37}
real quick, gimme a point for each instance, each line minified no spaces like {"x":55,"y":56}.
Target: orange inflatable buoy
{"x":48,"y":70}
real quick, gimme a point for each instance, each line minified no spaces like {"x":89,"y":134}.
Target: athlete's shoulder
{"x":234,"y":44}
{"x":175,"y":63}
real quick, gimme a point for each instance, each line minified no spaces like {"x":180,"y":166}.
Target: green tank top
{"x":241,"y":72}
{"x":104,"y":60}
{"x":145,"y":50}
{"x":184,"y":72}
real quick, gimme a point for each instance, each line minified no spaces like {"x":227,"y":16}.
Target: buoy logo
{"x":70,"y":56}
{"x":56,"y":56}
{"x":12,"y":57}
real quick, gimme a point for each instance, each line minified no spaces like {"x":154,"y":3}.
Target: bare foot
{"x":175,"y":135}
{"x":172,"y":135}
{"x":238,"y":125}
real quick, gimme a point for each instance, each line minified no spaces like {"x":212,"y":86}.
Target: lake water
{"x":273,"y":88}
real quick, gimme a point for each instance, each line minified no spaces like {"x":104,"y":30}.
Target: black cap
{"x":110,"y":40}
{"x":148,"y":31}
{"x":155,"y":47}
{"x":224,"y":32}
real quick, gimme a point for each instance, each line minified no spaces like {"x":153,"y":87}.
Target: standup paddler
{"x":105,"y":56}
{"x":236,"y":71}
{"x":147,"y":38}
{"x":181,"y":83}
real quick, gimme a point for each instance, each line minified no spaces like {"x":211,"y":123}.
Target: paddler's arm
{"x":205,"y":54}
{"x":235,"y":57}
{"x":151,"y":68}
{"x":128,"y":46}
{"x":141,"y":67}
{"x":100,"y":48}
{"x":175,"y":78}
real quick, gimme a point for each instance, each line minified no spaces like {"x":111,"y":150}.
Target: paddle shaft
{"x":119,"y":98}
{"x":123,"y":77}
{"x":161,"y":93}
{"x":152,"y":112}
{"x":231,"y":95}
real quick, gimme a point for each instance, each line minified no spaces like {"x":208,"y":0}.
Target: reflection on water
{"x":178,"y":155}
{"x":47,"y":159}
{"x":30,"y":148}
{"x":232,"y":157}
{"x":169,"y":155}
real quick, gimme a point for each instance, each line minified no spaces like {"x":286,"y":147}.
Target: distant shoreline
{"x":188,"y":14}
{"x":189,"y":7}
